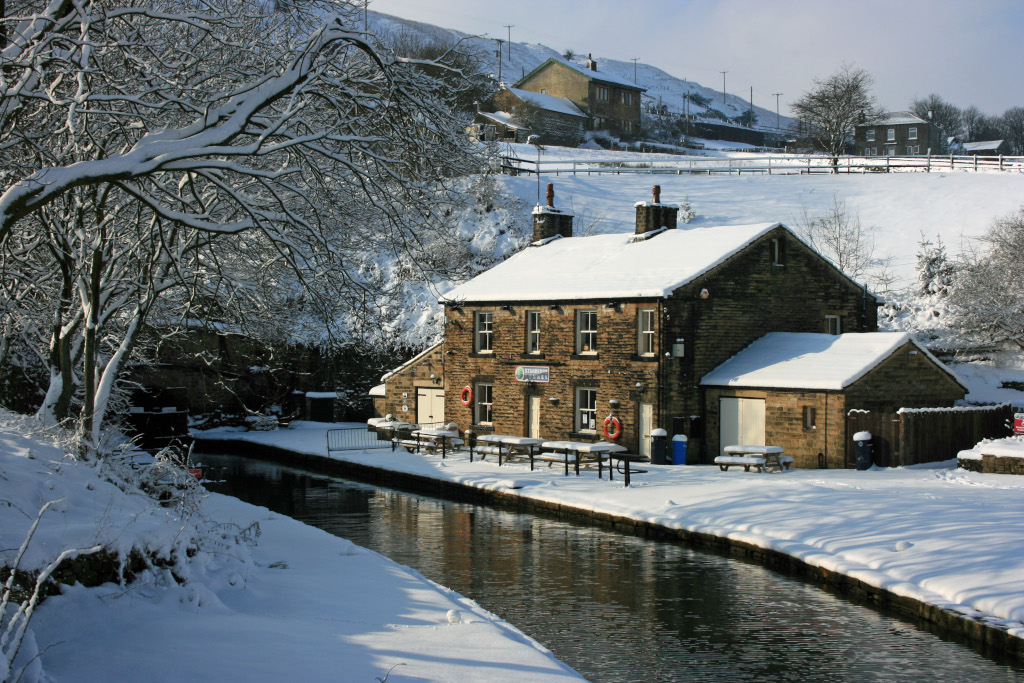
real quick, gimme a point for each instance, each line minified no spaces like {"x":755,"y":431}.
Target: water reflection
{"x":614,"y":607}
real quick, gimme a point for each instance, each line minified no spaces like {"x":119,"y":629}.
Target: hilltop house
{"x":898,"y":134}
{"x":571,"y":328}
{"x":612,"y":103}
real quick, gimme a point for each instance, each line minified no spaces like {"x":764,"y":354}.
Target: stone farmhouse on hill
{"x":610,"y":102}
{"x":898,"y":134}
{"x":556,"y":119}
{"x":731,"y":334}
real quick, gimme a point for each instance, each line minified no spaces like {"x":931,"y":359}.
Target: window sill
{"x":482,"y":354}
{"x":585,"y":356}
{"x":528,"y":356}
{"x":579,"y":436}
{"x":645,"y":358}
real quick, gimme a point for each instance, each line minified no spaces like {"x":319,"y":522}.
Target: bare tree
{"x":1013,"y":128}
{"x":833,"y":107}
{"x":943,"y":114}
{"x":837,"y":234}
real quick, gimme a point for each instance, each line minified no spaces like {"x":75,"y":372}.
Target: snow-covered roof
{"x":982,"y":145}
{"x":559,"y":105}
{"x":797,"y":360}
{"x":378,"y":390}
{"x":502,"y":117}
{"x":597,"y":75}
{"x":616,"y":266}
{"x":415,"y":359}
{"x":892,"y":118}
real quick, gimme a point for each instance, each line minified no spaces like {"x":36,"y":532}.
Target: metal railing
{"x":365,"y":438}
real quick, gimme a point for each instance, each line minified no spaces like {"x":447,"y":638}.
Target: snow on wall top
{"x":549,"y":102}
{"x":894,"y":118}
{"x":608,"y":266}
{"x":799,"y":360}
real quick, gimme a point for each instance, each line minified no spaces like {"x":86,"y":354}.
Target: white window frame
{"x":645,"y":342}
{"x":484,"y":397}
{"x":627,"y":98}
{"x":533,"y":332}
{"x":586,"y":331}
{"x":776,"y":247}
{"x":601,"y":93}
{"x":833,"y":324}
{"x":483,"y":332}
{"x":912,"y":133}
{"x":869,"y":135}
{"x":586,"y":410}
{"x":890,"y":135}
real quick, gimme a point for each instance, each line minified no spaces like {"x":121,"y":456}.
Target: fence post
{"x":1000,"y":162}
{"x":929,"y":163}
{"x":888,"y":168}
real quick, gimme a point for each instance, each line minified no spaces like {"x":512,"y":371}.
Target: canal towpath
{"x":933,"y":536}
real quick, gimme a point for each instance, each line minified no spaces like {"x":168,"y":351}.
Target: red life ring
{"x":616,"y":428}
{"x":467,"y":396}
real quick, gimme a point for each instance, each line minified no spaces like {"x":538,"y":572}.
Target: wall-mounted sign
{"x":1018,"y":423}
{"x":533,"y":373}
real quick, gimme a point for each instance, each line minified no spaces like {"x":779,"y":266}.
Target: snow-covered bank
{"x":293,"y":604}
{"x":938,"y":535}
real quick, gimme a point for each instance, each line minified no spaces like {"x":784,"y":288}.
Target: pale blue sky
{"x":968,"y":51}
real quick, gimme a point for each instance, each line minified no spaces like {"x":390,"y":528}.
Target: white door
{"x":429,"y":405}
{"x":646,"y":425}
{"x":742,"y":422}
{"x":533,"y":424}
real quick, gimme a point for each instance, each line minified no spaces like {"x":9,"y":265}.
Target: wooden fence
{"x":764,"y":165}
{"x":916,"y":435}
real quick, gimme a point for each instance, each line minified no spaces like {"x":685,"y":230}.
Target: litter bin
{"x":864,"y":450}
{"x":658,"y":438}
{"x":679,"y":449}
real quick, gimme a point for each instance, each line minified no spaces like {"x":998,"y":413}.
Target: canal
{"x":617,"y":607}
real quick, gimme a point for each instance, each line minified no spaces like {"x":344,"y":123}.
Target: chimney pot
{"x":657,"y":194}
{"x":551,"y":195}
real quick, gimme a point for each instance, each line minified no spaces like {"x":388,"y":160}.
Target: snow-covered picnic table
{"x":443,"y":441}
{"x":761,"y":457}
{"x":577,"y":452}
{"x":509,"y":446}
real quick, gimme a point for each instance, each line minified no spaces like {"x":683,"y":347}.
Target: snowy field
{"x":898,"y":208}
{"x":301,"y":605}
{"x":935,"y":533}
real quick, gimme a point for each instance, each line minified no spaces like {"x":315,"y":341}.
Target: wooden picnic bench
{"x":624,"y":462}
{"x":433,"y":441}
{"x":761,"y":457}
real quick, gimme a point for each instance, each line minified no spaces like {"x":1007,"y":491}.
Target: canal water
{"x":617,"y":607}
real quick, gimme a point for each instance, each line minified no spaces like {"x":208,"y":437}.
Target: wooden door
{"x":429,"y":405}
{"x":646,"y":425}
{"x":741,"y":422}
{"x":533,"y":419}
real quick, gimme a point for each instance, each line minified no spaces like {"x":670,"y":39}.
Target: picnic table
{"x":508,"y":447}
{"x":577,"y":452}
{"x":759,"y":456}
{"x":431,"y":441}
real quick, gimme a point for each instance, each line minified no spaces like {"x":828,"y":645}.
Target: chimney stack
{"x":591,"y":62}
{"x":654,"y":215}
{"x":549,"y":221}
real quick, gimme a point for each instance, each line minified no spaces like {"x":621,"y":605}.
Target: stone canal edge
{"x":989,"y":638}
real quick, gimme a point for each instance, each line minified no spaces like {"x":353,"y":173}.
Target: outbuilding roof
{"x":609,"y":267}
{"x":559,"y":105}
{"x":798,"y":360}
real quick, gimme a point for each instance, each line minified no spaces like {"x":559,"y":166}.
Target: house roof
{"x":979,"y":146}
{"x":379,"y":390}
{"x":559,"y":105}
{"x":600,"y":76}
{"x":412,"y":361}
{"x":796,"y":360}
{"x":615,"y":266}
{"x":893,"y":118}
{"x":502,"y":117}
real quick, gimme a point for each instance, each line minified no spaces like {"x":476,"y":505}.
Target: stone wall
{"x":907,"y":378}
{"x":400,"y":388}
{"x":991,"y":464}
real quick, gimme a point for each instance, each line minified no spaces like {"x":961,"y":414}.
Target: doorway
{"x":429,"y":405}
{"x":742,"y":422}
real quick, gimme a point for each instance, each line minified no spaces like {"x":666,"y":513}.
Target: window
{"x":586,"y":410}
{"x":917,"y":149}
{"x":543,"y":91}
{"x":912,"y":133}
{"x":533,"y":331}
{"x":810,"y":417}
{"x":870,"y":134}
{"x":627,"y":98}
{"x":776,"y":251}
{"x":484,"y":332}
{"x":645,"y":332}
{"x":832,"y":325}
{"x":600,"y":123}
{"x":890,"y":151}
{"x":627,"y":126}
{"x":601,"y":93}
{"x":890,"y":135}
{"x":586,"y":332}
{"x":484,"y":403}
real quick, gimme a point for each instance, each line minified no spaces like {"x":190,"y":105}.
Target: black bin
{"x":659,"y":444}
{"x":864,"y":450}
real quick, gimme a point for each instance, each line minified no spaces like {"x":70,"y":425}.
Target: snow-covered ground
{"x":935,"y":533}
{"x":299,"y":604}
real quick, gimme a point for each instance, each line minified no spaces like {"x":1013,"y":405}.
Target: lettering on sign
{"x":533,"y":373}
{"x":1018,"y":423}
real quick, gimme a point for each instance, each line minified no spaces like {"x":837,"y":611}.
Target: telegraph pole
{"x":777,"y":109}
{"x":499,"y":59}
{"x":634,"y":59}
{"x":723,"y":88}
{"x":509,"y":27}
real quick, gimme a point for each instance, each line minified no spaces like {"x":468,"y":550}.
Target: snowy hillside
{"x":662,"y":87}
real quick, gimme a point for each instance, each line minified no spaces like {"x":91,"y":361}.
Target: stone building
{"x":555,"y":119}
{"x":573,"y":329}
{"x":414,"y":391}
{"x":795,"y":390}
{"x":612,"y":103}
{"x":898,"y":134}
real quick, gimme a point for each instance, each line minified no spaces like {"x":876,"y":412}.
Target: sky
{"x":967,"y":51}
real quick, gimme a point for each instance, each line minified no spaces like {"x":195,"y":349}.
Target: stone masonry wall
{"x":906,"y":379}
{"x":400,"y":388}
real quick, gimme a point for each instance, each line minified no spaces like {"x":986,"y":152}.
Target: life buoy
{"x":615,"y":430}
{"x":467,"y":396}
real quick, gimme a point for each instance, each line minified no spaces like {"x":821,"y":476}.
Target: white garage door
{"x":429,"y":405}
{"x":742,"y":422}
